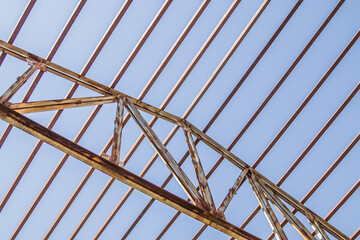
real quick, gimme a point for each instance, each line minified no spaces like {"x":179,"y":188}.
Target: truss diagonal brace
{"x":316,"y":227}
{"x":232,"y":191}
{"x":269,"y":214}
{"x":119,"y":173}
{"x":294,"y":221}
{"x":115,"y":151}
{"x":170,"y":162}
{"x":34,"y":65}
{"x":204,"y":187}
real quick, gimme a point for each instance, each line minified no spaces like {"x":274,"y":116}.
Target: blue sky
{"x":44,"y":25}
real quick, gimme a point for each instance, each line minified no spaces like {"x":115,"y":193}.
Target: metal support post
{"x":203,"y":184}
{"x":115,"y":151}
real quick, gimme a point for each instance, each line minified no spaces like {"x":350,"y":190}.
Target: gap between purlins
{"x":167,"y":116}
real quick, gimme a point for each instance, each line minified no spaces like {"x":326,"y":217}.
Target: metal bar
{"x":204,"y":187}
{"x":117,"y":172}
{"x":269,"y":214}
{"x":294,"y":221}
{"x":115,"y":151}
{"x":141,"y":42}
{"x":18,"y":26}
{"x":19,"y":82}
{"x":355,"y":234}
{"x":320,"y":233}
{"x":170,"y":162}
{"x":50,"y":105}
{"x":232,"y":191}
{"x":342,"y":201}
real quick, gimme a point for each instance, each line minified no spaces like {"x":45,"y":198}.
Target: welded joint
{"x":37,"y":64}
{"x":20,"y":81}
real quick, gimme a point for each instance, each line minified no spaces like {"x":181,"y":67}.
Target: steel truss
{"x":202,"y":207}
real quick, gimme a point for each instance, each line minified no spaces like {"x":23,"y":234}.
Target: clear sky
{"x":43,"y":26}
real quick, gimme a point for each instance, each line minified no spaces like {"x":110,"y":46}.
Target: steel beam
{"x":119,"y":173}
{"x":50,"y":105}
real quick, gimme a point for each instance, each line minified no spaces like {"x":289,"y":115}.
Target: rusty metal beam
{"x":355,"y":234}
{"x":21,"y":54}
{"x":115,"y":151}
{"x":59,"y":104}
{"x":294,"y":221}
{"x":117,"y":172}
{"x":169,"y":161}
{"x":203,"y":184}
{"x":269,"y":214}
{"x":232,"y":191}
